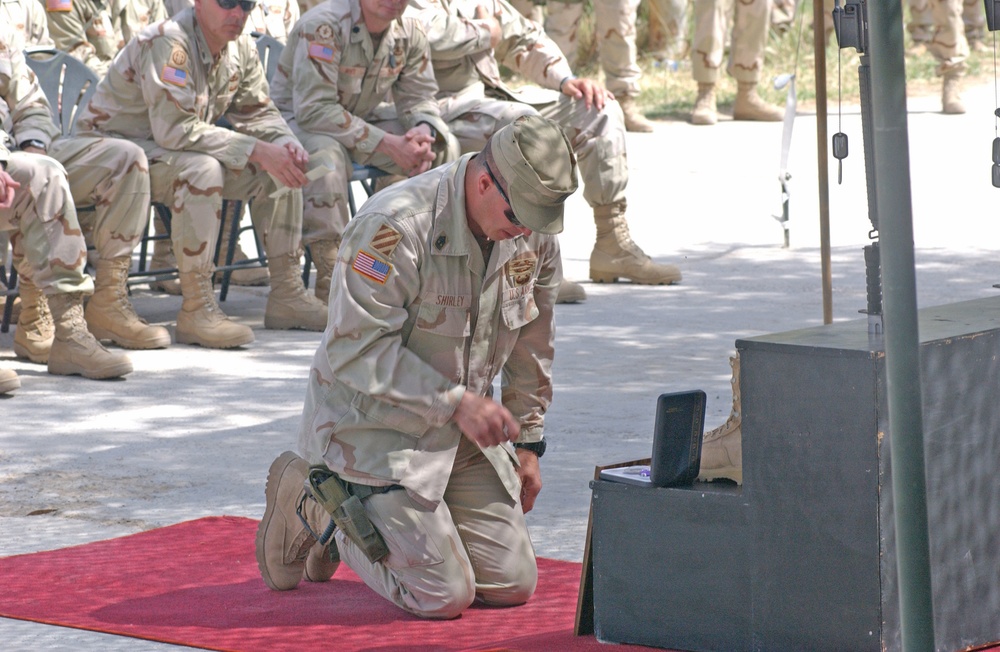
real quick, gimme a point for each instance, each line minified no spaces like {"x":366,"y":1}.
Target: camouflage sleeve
{"x":138,"y":14}
{"x":30,"y":115}
{"x":172,"y":101}
{"x":252,"y":111}
{"x":526,"y":382}
{"x":366,"y":350}
{"x":415,"y":90}
{"x":451,"y":36}
{"x":315,"y":59}
{"x":292,"y":15}
{"x":526,"y":49}
{"x":36,"y":26}
{"x":69,"y":32}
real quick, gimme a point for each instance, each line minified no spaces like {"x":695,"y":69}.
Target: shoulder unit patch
{"x":385,"y":240}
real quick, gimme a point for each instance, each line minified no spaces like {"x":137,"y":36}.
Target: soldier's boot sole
{"x":8,"y":381}
{"x":65,"y":361}
{"x":36,"y":352}
{"x":307,"y":315}
{"x":570,"y":292}
{"x":270,"y":543}
{"x":641,"y":274}
{"x":215,"y":340}
{"x":153,"y":337}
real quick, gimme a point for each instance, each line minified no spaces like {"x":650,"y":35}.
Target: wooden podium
{"x":802,"y":556}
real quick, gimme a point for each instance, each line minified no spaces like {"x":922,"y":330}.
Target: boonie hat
{"x":537,"y":168}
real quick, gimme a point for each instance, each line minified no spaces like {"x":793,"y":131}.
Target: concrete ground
{"x":191,"y":432}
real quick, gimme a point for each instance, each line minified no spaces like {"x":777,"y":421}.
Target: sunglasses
{"x":246,"y":5}
{"x":509,"y":213}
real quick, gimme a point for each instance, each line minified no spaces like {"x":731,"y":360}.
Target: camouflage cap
{"x":537,"y":168}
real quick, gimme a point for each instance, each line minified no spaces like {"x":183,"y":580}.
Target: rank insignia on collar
{"x":440,"y":242}
{"x":520,"y":270}
{"x":385,"y":240}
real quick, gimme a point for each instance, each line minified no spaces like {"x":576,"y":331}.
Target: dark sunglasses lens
{"x":247,"y":5}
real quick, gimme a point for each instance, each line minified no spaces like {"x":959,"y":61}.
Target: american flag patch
{"x":321,"y":52}
{"x":370,"y":266}
{"x":174,"y":76}
{"x":59,"y":5}
{"x":385,"y":240}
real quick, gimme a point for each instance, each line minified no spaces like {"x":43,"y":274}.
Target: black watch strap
{"x":32,"y":142}
{"x":536,"y":447}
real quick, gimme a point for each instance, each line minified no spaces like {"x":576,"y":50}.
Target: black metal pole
{"x":819,"y":53}
{"x":902,"y":342}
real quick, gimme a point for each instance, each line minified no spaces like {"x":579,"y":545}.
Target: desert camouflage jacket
{"x":460,"y":46}
{"x":27,"y":18}
{"x":333,"y":74}
{"x":90,"y":30}
{"x":272,"y":17}
{"x":417,"y":318}
{"x":166,"y":92}
{"x":24,"y":111}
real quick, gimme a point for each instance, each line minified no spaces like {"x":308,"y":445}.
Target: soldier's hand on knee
{"x":283,"y":163}
{"x":592,"y":93}
{"x":485,"y":421}
{"x":7,"y":188}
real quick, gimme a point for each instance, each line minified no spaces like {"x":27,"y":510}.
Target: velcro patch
{"x":371,"y":267}
{"x":174,"y":76}
{"x":385,"y":240}
{"x":58,"y":5}
{"x":320,"y":52}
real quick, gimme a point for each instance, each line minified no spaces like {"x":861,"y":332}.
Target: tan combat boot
{"x":951,"y":93}
{"x":201,"y":321}
{"x":285,"y":546}
{"x":570,"y":292}
{"x":705,"y":111}
{"x":74,"y":350}
{"x":35,"y":330}
{"x":8,"y":381}
{"x":722,"y":448}
{"x":324,"y":257}
{"x":252,"y":275}
{"x":615,"y":255}
{"x":635,"y":121}
{"x":163,"y":258}
{"x":110,"y":315}
{"x":288,"y":303}
{"x":750,"y":106}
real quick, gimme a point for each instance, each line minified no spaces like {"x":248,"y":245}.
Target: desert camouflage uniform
{"x":272,"y":17}
{"x":48,"y":243}
{"x":90,"y":30}
{"x":749,"y":37}
{"x":922,"y":23}
{"x":27,"y":18}
{"x":476,"y":102}
{"x":140,"y":14}
{"x":166,"y":94}
{"x":939,"y":24}
{"x":614,"y":23}
{"x":329,"y":83}
{"x":406,"y":341}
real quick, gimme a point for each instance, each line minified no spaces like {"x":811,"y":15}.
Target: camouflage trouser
{"x":110,"y":175}
{"x":45,"y":235}
{"x":193,"y":185}
{"x":325,"y":210}
{"x":671,"y":15}
{"x":475,"y":544}
{"x":598,"y":137}
{"x":947,"y":42}
{"x":615,"y":26}
{"x":746,"y":52}
{"x":922,"y":20}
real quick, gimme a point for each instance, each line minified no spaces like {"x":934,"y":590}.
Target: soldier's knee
{"x":446,"y":602}
{"x":514,"y":590}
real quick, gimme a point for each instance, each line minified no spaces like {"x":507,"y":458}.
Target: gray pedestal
{"x":803,"y":555}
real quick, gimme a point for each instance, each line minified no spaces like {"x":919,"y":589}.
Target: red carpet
{"x":197,"y":584}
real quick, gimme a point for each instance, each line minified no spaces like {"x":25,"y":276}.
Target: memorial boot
{"x":288,"y":303}
{"x":750,"y":106}
{"x":324,"y":257}
{"x":705,"y":110}
{"x":75,"y":352}
{"x":35,"y":330}
{"x":110,"y":315}
{"x":722,"y":448}
{"x":284,"y":539}
{"x":570,"y":292}
{"x":8,"y":381}
{"x":251,"y":275}
{"x":201,"y":321}
{"x":951,"y":93}
{"x":163,"y":258}
{"x":615,"y":255}
{"x":635,"y":121}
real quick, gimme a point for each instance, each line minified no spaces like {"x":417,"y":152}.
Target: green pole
{"x":902,"y":342}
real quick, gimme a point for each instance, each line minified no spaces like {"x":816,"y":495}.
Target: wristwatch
{"x":536,"y":447}
{"x":32,"y":142}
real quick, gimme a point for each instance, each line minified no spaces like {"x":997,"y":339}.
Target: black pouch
{"x":677,"y":433}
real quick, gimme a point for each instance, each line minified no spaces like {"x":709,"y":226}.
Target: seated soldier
{"x":166,"y":91}
{"x":320,"y":89}
{"x":36,"y":210}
